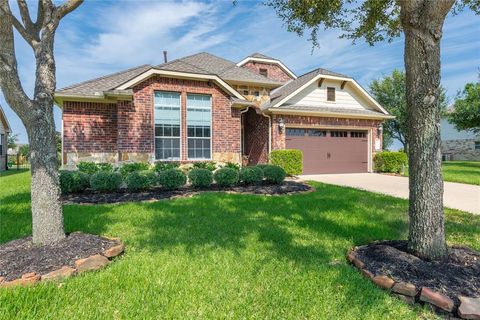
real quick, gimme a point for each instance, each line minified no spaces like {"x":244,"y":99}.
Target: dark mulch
{"x":459,"y":274}
{"x":22,"y":256}
{"x":90,"y":197}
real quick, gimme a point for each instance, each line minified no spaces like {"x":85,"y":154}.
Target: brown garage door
{"x":330,"y":151}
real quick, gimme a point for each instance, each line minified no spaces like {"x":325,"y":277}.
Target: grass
{"x":224,"y":256}
{"x":460,"y":171}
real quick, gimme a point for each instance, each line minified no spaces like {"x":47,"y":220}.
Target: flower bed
{"x":450,"y":286}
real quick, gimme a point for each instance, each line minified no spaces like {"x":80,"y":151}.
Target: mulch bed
{"x":154,"y":194}
{"x":458,"y":275}
{"x":21,"y":256}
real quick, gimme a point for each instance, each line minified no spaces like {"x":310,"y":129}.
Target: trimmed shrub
{"x":88,"y":167}
{"x":172,"y":179}
{"x":140,"y":180}
{"x":226,"y":177}
{"x":73,"y":181}
{"x":106,"y":181}
{"x":232,"y":165}
{"x":274,"y":174}
{"x":132,"y":167}
{"x":291,"y":160}
{"x":105,"y":166}
{"x":388,"y":161}
{"x":165,"y":165}
{"x":200,"y":178}
{"x":210,"y":165}
{"x":251,"y":175}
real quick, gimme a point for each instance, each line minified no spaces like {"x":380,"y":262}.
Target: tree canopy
{"x":466,"y":112}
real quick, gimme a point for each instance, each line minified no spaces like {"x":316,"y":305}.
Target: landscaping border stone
{"x":91,"y":263}
{"x":469,"y":307}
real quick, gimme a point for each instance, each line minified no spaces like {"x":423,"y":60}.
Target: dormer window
{"x":264,"y":72}
{"x":330,"y":94}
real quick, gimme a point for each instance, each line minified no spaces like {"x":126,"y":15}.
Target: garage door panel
{"x":326,"y":154}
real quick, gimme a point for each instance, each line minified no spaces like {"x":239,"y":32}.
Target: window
{"x":2,"y":143}
{"x":245,"y":92}
{"x":330,"y":94}
{"x":264,"y":72}
{"x":257,"y":94}
{"x":295,"y":132}
{"x":167,"y":125}
{"x":338,"y":134}
{"x":316,"y":133}
{"x":358,"y":134}
{"x":477,"y":145}
{"x":199,"y":123}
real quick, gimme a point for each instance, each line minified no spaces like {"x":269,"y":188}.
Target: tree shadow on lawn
{"x":11,"y":172}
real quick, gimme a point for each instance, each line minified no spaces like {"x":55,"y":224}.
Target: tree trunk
{"x":47,"y":215}
{"x":422,"y":23}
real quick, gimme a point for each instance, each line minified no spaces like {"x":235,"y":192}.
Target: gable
{"x":315,"y":96}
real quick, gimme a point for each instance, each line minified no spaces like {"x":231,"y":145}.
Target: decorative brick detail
{"x":255,"y":133}
{"x":274,"y":72}
{"x":278,"y":138}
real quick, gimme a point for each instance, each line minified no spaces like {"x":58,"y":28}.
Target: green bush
{"x":388,"y":161}
{"x":200,"y":178}
{"x":263,"y":165}
{"x":232,"y":165}
{"x":132,"y":167}
{"x":165,"y":165}
{"x":73,"y":181}
{"x":105,"y":166}
{"x":274,"y":174}
{"x":291,"y":160}
{"x":209,"y":165}
{"x":105,"y":181}
{"x":251,"y":175}
{"x":140,"y":180}
{"x":88,"y":167}
{"x":226,"y":177}
{"x":172,"y":179}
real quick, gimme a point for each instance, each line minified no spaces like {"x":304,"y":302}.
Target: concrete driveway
{"x":460,"y":196}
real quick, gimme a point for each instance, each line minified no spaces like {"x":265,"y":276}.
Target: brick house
{"x":203,"y":107}
{"x":4,"y":132}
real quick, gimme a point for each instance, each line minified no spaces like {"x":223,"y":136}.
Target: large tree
{"x":390,"y":91}
{"x":466,"y":112}
{"x":421,"y":22}
{"x":36,"y":112}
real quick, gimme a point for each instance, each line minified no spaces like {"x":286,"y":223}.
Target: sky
{"x":103,"y":37}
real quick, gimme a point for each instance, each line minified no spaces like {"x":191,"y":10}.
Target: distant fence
{"x":17,"y":162}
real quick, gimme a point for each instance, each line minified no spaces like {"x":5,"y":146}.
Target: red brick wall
{"x":225,"y":119}
{"x":289,"y":120}
{"x":255,"y":132}
{"x":89,"y":127}
{"x":274,"y":72}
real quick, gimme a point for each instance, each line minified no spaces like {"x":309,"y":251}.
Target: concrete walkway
{"x":460,"y":196}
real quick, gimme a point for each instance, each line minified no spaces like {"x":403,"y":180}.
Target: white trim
{"x":154,"y":136}
{"x":328,"y":114}
{"x":8,"y":128}
{"x":268,"y":61}
{"x":185,"y":75}
{"x":357,"y":86}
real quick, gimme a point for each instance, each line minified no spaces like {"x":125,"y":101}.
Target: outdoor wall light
{"x":281,"y":125}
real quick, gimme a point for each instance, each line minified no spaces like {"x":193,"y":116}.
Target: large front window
{"x":167,"y":125}
{"x":199,"y":126}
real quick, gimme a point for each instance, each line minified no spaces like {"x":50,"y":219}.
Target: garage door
{"x":330,"y":151}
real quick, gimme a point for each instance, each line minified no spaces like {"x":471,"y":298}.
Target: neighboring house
{"x":459,"y":145}
{"x":203,"y":107}
{"x":4,"y":131}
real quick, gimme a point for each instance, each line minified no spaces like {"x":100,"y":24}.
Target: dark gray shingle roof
{"x":105,"y":83}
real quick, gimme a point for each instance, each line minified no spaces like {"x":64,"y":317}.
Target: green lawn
{"x":218,"y":256}
{"x":461,"y":171}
